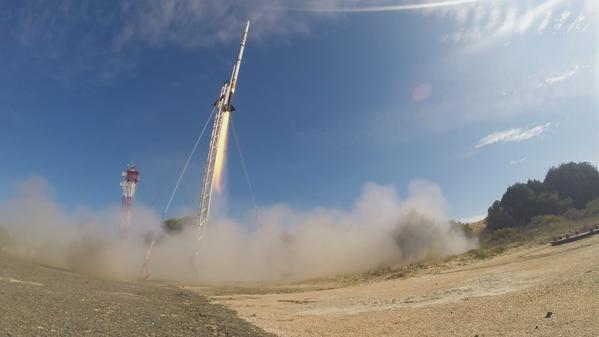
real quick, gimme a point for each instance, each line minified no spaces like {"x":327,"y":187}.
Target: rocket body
{"x":128,"y":185}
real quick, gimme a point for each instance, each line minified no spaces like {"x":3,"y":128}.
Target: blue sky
{"x":471,"y":96}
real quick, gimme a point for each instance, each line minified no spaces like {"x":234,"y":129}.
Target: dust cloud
{"x":279,"y":244}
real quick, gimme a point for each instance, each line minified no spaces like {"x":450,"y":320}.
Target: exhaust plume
{"x":286,"y":245}
{"x":221,"y":154}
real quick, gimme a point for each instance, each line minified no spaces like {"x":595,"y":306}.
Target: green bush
{"x":592,"y":208}
{"x":480,"y":253}
{"x":503,"y":236}
{"x":175,"y":226}
{"x":486,"y":252}
{"x":544,"y":220}
{"x":574,"y":214}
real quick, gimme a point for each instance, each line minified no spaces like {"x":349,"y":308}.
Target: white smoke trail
{"x":387,"y":8}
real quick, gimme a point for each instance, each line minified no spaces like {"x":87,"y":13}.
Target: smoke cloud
{"x":282,"y":245}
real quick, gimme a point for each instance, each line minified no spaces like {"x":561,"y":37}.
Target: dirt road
{"x":542,"y":291}
{"x":40,"y":301}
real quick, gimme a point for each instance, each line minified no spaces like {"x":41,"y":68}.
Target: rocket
{"x":235,"y":73}
{"x":228,"y":90}
{"x":216,"y":150}
{"x":213,"y":168}
{"x":130,"y":178}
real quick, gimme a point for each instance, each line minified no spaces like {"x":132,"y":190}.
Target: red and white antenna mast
{"x":130,"y":177}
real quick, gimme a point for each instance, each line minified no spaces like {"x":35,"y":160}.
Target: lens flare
{"x":221,"y":153}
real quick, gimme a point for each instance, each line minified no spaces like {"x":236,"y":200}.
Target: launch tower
{"x":218,"y":142}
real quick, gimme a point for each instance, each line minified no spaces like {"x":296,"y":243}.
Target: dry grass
{"x":541,"y":230}
{"x":477,"y":227}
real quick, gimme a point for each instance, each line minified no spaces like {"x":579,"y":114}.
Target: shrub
{"x":175,"y":226}
{"x":503,"y":236}
{"x":592,"y":208}
{"x":486,"y":252}
{"x":480,"y":253}
{"x":575,"y":214}
{"x":544,"y":220}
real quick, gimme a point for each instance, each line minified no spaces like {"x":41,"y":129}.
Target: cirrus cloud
{"x":518,"y":161}
{"x":512,"y":135}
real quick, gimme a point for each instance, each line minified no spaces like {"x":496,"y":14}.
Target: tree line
{"x":570,"y":187}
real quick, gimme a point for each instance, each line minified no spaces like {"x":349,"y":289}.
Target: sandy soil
{"x":509,"y":295}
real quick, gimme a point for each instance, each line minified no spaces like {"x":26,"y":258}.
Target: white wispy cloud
{"x":545,"y":22}
{"x":562,"y":19}
{"x":199,"y":23}
{"x":551,"y":80}
{"x":105,"y":37}
{"x":512,"y":135}
{"x":365,"y":8}
{"x":579,"y":23}
{"x":192,"y":23}
{"x":489,"y":22}
{"x":518,"y":161}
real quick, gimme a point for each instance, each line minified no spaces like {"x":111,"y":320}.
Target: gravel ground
{"x":41,"y":301}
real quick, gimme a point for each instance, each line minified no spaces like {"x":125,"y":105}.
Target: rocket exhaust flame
{"x":221,"y":153}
